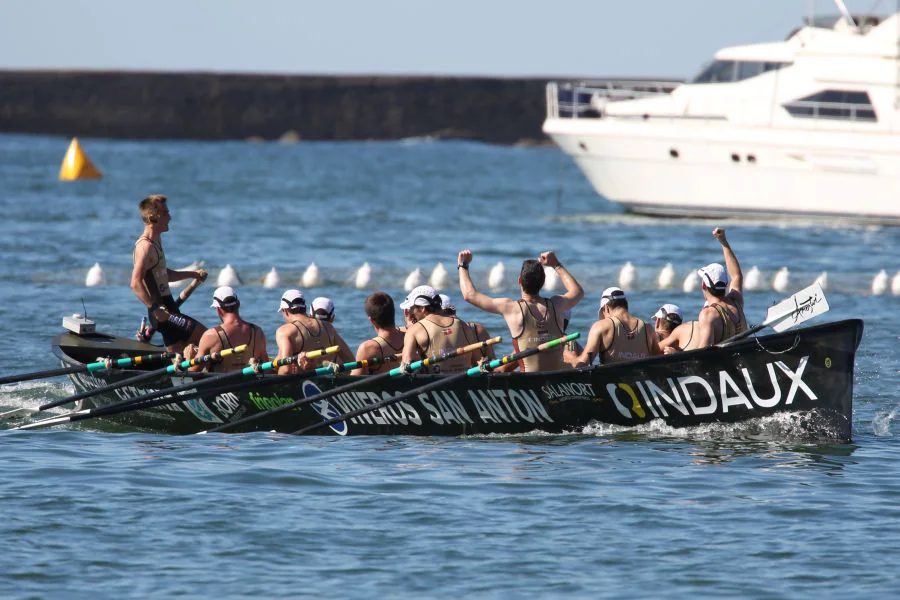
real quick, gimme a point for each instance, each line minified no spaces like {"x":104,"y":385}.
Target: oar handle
{"x":206,"y":358}
{"x":100,"y":365}
{"x":525,"y":353}
{"x":434,"y":359}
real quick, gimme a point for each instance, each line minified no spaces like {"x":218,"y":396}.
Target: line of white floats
{"x":440,"y":278}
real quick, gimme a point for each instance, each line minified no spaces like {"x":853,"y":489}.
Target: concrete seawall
{"x":227,"y":106}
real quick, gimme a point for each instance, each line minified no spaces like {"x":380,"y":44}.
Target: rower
{"x":533,"y":319}
{"x":233,"y":331}
{"x":388,"y":340}
{"x":618,"y":336}
{"x":434,"y":333}
{"x":722,"y":289}
{"x":323,"y":309}
{"x":481,"y":332}
{"x":150,"y":278}
{"x":304,"y":333}
{"x":666,"y":319}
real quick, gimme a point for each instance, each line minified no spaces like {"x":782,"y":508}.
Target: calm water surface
{"x":750,"y":511}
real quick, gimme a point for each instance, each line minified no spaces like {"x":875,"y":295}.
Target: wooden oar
{"x":209,"y":382}
{"x":100,"y":365}
{"x":442,"y":382}
{"x":431,"y":360}
{"x":183,"y":365}
{"x":804,"y":305}
{"x":129,"y":405}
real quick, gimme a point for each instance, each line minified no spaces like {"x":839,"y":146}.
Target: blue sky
{"x":600,"y":38}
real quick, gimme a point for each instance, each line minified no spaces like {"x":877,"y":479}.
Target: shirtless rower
{"x":150,"y":278}
{"x":433,"y":333}
{"x":481,"y":332}
{"x":724,"y":317}
{"x":304,"y":333}
{"x":388,"y":340}
{"x":532,"y":319}
{"x":618,"y":335}
{"x":232,"y":332}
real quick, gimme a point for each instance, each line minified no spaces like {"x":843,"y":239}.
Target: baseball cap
{"x":714,"y":276}
{"x":446,"y":304}
{"x":611,"y":293}
{"x":292,"y":300}
{"x":669,"y":312}
{"x":423,"y":295}
{"x":225,"y":297}
{"x":325,"y":305}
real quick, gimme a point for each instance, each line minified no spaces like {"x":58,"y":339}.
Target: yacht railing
{"x":586,"y":99}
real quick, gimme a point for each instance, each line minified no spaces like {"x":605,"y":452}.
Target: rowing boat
{"x":808,"y":370}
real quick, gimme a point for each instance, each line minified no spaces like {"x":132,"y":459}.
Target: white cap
{"x":669,"y":312}
{"x":225,"y":297}
{"x":423,"y":295}
{"x":446,"y":304}
{"x":714,"y":276}
{"x":611,"y":293}
{"x":324,"y":304}
{"x":292,"y":299}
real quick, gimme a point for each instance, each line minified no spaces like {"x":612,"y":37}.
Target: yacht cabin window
{"x":729,"y":71}
{"x":833,"y":104}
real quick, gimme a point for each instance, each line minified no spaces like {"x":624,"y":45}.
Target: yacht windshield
{"x":729,"y":71}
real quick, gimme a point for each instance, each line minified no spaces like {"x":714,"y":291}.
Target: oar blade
{"x":804,"y":305}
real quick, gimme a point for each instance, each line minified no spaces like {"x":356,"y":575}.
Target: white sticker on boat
{"x":201,"y":411}
{"x":324,"y":407}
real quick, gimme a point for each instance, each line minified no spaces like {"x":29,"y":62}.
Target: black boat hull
{"x":806,"y":370}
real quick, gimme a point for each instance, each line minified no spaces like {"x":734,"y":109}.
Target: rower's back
{"x":232,"y":335}
{"x":630,"y":339}
{"x":540,"y":324}
{"x":446,"y":334}
{"x":311,"y":334}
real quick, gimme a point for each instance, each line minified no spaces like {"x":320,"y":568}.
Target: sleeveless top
{"x":536,"y":331}
{"x":627,"y":345}
{"x":156,"y":277}
{"x":444,"y":340}
{"x":729,"y":327}
{"x":234,"y":362}
{"x":385,"y":348}
{"x":310,"y":341}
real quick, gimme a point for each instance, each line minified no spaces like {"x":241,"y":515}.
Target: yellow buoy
{"x":77,"y":165}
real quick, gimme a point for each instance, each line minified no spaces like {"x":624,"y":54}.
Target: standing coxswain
{"x":150,"y":278}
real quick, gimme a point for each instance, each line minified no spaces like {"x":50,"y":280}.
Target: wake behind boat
{"x":806,"y":370}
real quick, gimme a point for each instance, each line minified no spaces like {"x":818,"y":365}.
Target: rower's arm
{"x":592,"y":346}
{"x":345,"y":354}
{"x":652,"y":342}
{"x":574,"y":292}
{"x":206,"y":345}
{"x":731,"y":262}
{"x":410,"y":344}
{"x":285,"y":348}
{"x":706,"y":327}
{"x":137,"y":274}
{"x":262,"y":353}
{"x":366,"y":351}
{"x":498,"y":306}
{"x":482,"y":334}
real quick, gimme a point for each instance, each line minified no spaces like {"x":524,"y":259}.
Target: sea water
{"x":750,"y":511}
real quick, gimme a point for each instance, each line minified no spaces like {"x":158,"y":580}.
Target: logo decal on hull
{"x":324,"y":407}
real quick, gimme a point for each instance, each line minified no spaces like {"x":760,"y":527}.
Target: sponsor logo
{"x":324,"y":408}
{"x":696,"y":395}
{"x":227,"y":404}
{"x":197,"y":408}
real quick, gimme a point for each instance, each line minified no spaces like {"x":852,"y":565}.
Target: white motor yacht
{"x":806,"y":126}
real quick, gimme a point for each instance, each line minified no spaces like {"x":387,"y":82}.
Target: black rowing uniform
{"x":155,"y":278}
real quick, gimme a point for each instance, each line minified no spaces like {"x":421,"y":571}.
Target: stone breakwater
{"x":214,"y":106}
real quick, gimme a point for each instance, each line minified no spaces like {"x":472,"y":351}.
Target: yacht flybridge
{"x":807,"y":126}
